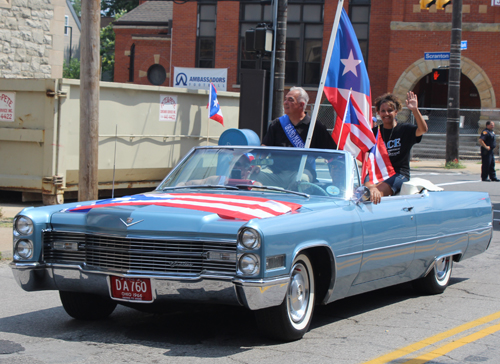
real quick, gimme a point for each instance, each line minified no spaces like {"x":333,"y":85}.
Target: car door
{"x":389,"y":235}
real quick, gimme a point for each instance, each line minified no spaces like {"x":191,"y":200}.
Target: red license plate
{"x":131,"y":289}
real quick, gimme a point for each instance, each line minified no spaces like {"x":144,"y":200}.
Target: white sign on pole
{"x":199,"y":78}
{"x":7,"y":106}
{"x":168,"y":108}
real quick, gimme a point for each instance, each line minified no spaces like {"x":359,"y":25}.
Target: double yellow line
{"x":446,"y":348}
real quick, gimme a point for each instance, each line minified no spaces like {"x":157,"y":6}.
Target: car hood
{"x":152,"y":219}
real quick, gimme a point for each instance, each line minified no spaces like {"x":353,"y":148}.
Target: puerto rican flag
{"x":226,"y":206}
{"x":214,"y":111}
{"x":378,"y":165}
{"x":347,"y":83}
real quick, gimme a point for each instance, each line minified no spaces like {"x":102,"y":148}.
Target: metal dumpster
{"x":39,"y":146}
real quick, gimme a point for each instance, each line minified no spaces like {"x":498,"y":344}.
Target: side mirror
{"x":361,"y":194}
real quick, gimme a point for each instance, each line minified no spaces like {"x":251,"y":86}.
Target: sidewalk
{"x":10,"y":209}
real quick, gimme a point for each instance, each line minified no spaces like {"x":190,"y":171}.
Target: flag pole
{"x":326,"y":65}
{"x":209,"y":106}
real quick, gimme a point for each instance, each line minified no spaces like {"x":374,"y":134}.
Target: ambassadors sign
{"x":199,"y":78}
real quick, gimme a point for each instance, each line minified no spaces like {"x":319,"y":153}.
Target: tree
{"x":113,"y":7}
{"x":108,"y":49}
{"x":72,"y":70}
{"x":77,"y":6}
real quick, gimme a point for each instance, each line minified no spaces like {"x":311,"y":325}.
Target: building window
{"x":250,"y":16}
{"x":304,"y":43}
{"x":66,"y":23}
{"x":359,"y":13}
{"x":131,"y":64}
{"x":304,"y":39}
{"x":205,"y":57}
{"x":157,"y":74}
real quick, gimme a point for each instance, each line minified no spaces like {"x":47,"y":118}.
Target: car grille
{"x":137,"y":255}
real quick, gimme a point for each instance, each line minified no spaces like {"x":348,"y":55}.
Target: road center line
{"x":433,"y":339}
{"x":456,"y":183}
{"x":445,"y":349}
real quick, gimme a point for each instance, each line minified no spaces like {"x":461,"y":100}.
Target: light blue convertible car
{"x":276,"y":230}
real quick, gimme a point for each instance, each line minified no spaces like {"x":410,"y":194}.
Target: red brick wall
{"x":390,"y":52}
{"x":226,"y":44}
{"x":145,"y":50}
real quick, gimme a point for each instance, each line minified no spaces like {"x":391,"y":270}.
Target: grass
{"x":6,"y":222}
{"x":455,"y":164}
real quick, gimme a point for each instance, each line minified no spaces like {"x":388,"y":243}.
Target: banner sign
{"x":200,"y":78}
{"x":495,"y":2}
{"x":168,"y":108}
{"x":7,"y":106}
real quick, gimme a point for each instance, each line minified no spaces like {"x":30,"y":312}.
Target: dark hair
{"x":388,"y":98}
{"x":488,"y":122}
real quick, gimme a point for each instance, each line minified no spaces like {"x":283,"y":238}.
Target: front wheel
{"x":86,"y":306}
{"x":290,"y":320}
{"x":438,"y":279}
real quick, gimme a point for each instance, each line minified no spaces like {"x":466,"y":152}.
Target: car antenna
{"x":114,"y":164}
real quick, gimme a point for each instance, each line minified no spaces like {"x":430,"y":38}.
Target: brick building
{"x":394,"y":36}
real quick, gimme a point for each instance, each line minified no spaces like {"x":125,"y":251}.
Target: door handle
{"x":408,"y":209}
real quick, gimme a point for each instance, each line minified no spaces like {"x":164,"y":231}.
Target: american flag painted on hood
{"x":226,"y":206}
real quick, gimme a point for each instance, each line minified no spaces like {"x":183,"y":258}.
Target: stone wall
{"x":31,"y":38}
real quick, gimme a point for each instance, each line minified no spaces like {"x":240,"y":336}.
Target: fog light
{"x":23,"y":250}
{"x":250,"y":239}
{"x":249,"y":264}
{"x":23,"y":225}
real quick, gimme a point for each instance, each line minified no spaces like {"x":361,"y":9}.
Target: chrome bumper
{"x":252,"y":294}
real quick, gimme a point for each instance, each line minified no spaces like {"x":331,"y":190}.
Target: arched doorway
{"x":474,"y":81}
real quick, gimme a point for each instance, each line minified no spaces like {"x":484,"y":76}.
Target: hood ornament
{"x":129,"y":222}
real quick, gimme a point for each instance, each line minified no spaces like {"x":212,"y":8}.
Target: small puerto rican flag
{"x":214,"y":111}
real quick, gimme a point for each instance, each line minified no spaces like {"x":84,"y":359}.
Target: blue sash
{"x":290,"y":132}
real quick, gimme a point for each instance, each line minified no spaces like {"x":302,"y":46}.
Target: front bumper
{"x":251,"y":293}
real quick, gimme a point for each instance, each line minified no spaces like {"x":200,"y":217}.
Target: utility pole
{"x":453,"y":114}
{"x":89,"y":100}
{"x":279,"y":70}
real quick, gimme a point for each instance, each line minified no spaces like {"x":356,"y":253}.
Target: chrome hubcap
{"x":441,"y":268}
{"x":298,"y":293}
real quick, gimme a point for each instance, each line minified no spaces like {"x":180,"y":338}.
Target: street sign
{"x":436,"y":56}
{"x":463,"y":45}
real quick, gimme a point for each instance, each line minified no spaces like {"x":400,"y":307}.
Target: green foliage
{"x":77,"y":6}
{"x":72,"y":70}
{"x":114,"y":7}
{"x":454,"y":164}
{"x":108,"y":48}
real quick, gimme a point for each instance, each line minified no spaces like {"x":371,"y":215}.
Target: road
{"x":393,"y":325}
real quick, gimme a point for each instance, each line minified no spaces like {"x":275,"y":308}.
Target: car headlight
{"x":249,"y":264}
{"x":23,"y":225}
{"x":23,"y":250}
{"x":250,"y":239}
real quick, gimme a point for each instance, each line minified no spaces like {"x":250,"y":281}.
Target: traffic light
{"x":426,"y":4}
{"x":440,"y":75}
{"x":441,"y":4}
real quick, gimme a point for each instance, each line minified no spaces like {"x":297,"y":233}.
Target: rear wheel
{"x":86,"y":306}
{"x":290,"y":320}
{"x":438,"y":279}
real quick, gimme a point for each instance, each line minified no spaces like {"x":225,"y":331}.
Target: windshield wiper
{"x":201,"y":186}
{"x":273,"y":188}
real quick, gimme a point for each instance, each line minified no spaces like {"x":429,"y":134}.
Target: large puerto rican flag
{"x":346,"y":76}
{"x":226,"y":206}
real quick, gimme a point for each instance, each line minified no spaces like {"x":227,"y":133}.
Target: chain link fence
{"x":433,"y":144}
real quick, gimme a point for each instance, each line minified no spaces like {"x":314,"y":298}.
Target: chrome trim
{"x":254,"y":294}
{"x":433,"y":263}
{"x":414,"y":242}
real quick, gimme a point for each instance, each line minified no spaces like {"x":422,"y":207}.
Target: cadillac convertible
{"x":275,"y":230}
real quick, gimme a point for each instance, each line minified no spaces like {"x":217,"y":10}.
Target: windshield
{"x":310,"y":171}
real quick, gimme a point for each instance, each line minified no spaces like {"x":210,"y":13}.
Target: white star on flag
{"x":350,"y":64}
